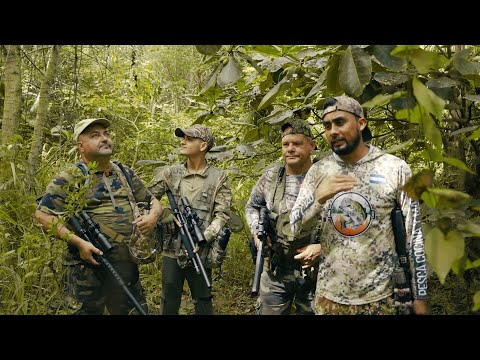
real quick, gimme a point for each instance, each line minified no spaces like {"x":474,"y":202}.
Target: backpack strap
{"x":278,"y":191}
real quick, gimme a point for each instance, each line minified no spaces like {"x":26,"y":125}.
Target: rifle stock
{"x":93,"y":235}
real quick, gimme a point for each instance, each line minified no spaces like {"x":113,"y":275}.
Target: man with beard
{"x":358,"y":258}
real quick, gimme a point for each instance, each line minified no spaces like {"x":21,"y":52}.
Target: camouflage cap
{"x":198,"y":131}
{"x":297,"y":127}
{"x":348,"y":104}
{"x":83,"y":124}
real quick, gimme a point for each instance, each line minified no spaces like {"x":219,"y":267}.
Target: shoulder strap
{"x":126,"y":173}
{"x":274,"y":197}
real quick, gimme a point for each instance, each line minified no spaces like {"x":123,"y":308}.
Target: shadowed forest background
{"x":422,"y":103}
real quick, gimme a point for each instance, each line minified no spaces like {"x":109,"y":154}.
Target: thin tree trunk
{"x":40,"y":120}
{"x":13,"y":93}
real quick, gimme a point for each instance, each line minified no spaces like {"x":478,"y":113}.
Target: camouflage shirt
{"x":208,"y":193}
{"x":61,"y":191}
{"x":358,"y":247}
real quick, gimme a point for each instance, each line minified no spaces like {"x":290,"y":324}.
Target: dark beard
{"x":351,"y":145}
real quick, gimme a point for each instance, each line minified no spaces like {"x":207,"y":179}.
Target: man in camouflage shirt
{"x":105,"y":199}
{"x":209,"y":194}
{"x":283,"y":281}
{"x":352,"y":193}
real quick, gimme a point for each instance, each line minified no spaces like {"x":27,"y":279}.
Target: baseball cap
{"x":83,"y":124}
{"x":297,"y":127}
{"x":198,"y":131}
{"x":348,"y":104}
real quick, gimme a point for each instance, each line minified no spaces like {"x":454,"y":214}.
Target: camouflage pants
{"x":279,"y":291}
{"x":323,"y":306}
{"x":173,"y":278}
{"x":95,"y":288}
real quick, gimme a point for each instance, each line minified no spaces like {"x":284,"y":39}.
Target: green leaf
{"x":470,"y":228}
{"x":458,"y":163}
{"x":398,"y":147}
{"x":211,"y":79}
{"x":472,"y":97}
{"x":252,"y":135}
{"x":463,"y":65}
{"x":447,"y":198}
{"x":427,"y":99}
{"x":230,"y":73}
{"x":475,"y":135}
{"x":318,"y":85}
{"x":273,"y":93}
{"x":413,"y":115}
{"x":259,"y":167}
{"x":208,"y":49}
{"x":443,"y":251}
{"x":389,"y":79}
{"x":383,"y":54}
{"x":441,"y":82}
{"x":464,"y":130}
{"x":355,"y":71}
{"x":332,"y":75}
{"x":422,"y":60}
{"x":268,"y":49}
{"x":278,"y":116}
{"x":382,"y":99}
{"x":476,"y":301}
{"x":431,"y":131}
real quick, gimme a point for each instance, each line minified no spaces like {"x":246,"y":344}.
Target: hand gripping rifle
{"x":402,"y":291}
{"x":260,"y":256}
{"x":90,"y":232}
{"x":187,"y":240}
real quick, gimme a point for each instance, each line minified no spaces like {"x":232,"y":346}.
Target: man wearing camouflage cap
{"x":209,"y":194}
{"x":102,"y":193}
{"x":288,"y":278}
{"x":350,"y":196}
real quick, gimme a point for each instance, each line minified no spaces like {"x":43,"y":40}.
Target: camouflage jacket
{"x":358,"y":247}
{"x":70,"y":188}
{"x":208,"y":192}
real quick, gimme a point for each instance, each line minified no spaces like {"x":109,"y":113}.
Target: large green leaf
{"x":208,"y":49}
{"x":431,"y":131}
{"x":443,"y":251}
{"x":427,"y":98}
{"x":398,"y":147}
{"x":318,"y":85}
{"x":422,"y":60}
{"x":383,"y":54}
{"x":441,"y":82}
{"x":230,"y":73}
{"x":333,"y":86}
{"x":475,"y":135}
{"x":273,"y":93}
{"x":268,"y":49}
{"x":413,"y":115}
{"x":389,"y":79}
{"x":471,"y":228}
{"x":442,"y":198}
{"x":382,"y":99}
{"x":463,"y":65}
{"x":458,"y":163}
{"x":211,"y":79}
{"x":278,"y":116}
{"x":355,"y":71}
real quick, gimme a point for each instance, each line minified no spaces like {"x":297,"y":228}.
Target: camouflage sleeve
{"x":140,"y":191}
{"x":158,"y":185}
{"x":258,"y":198}
{"x":54,"y":198}
{"x":415,"y":241}
{"x":305,"y":214}
{"x":221,"y":209}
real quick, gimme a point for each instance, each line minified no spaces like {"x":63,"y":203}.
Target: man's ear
{"x":363,"y":123}
{"x":80,"y":147}
{"x":203,"y":146}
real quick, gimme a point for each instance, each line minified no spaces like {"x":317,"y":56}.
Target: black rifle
{"x":192,"y":221}
{"x":187,"y":240}
{"x":260,"y":253}
{"x":403,"y":298}
{"x":90,"y":232}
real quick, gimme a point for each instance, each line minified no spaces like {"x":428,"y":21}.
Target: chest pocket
{"x":204,"y":199}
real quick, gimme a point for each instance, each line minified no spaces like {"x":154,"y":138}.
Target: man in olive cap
{"x":102,"y":195}
{"x":350,"y":195}
{"x":209,"y":194}
{"x":288,"y":280}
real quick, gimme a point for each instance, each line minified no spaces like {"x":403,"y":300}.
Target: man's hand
{"x":86,"y":251}
{"x":420,"y":307}
{"x":308,"y":254}
{"x":146,"y":223}
{"x":169,"y":223}
{"x":332,"y":185}
{"x":257,"y":241}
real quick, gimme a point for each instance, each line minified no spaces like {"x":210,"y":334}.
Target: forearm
{"x":48,"y":221}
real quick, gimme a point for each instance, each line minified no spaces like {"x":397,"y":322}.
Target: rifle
{"x":192,"y":221}
{"x":260,"y":254}
{"x":402,"y":291}
{"x":90,"y":232}
{"x":187,"y":240}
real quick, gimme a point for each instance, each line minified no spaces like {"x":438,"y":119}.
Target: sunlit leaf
{"x":273,"y":93}
{"x":399,"y":147}
{"x":443,"y":250}
{"x":475,"y":135}
{"x":418,"y":183}
{"x":208,"y":49}
{"x":318,"y":85}
{"x":446,"y":198}
{"x":382,"y":99}
{"x":230,"y":74}
{"x":413,"y":115}
{"x":427,"y":99}
{"x":278,"y":116}
{"x":431,"y":131}
{"x":355,"y":71}
{"x":458,"y":163}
